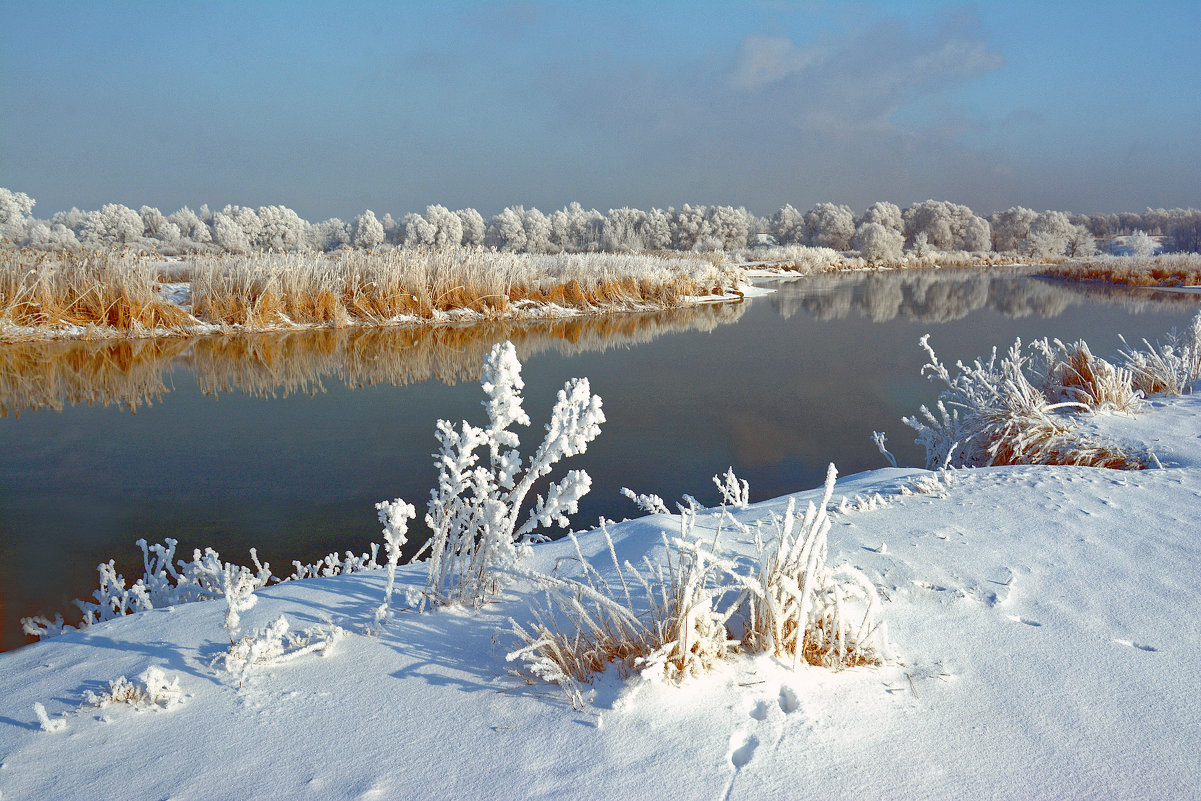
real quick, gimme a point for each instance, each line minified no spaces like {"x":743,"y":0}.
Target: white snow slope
{"x":1044,"y":622}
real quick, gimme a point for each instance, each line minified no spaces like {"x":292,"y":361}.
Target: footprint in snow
{"x":1025,"y":620}
{"x":744,"y":752}
{"x":789,"y":702}
{"x":759,"y":711}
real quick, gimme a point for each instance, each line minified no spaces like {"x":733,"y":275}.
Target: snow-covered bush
{"x":734,"y":492}
{"x":395,"y":516}
{"x":476,"y":512}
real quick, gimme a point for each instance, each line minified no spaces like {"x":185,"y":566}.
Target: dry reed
{"x":1166,"y":270}
{"x":105,"y":293}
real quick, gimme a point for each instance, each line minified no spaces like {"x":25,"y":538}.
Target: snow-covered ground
{"x":1045,"y":624}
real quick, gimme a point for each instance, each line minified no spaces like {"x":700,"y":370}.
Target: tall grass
{"x":1167,"y":270}
{"x":107,"y":292}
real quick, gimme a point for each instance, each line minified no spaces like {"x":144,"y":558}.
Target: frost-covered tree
{"x":112,"y":224}
{"x":448,"y":227}
{"x":728,"y":227}
{"x":1140,"y":245}
{"x":947,"y":226}
{"x":690,"y":228}
{"x":622,"y":230}
{"x":656,"y":232}
{"x":472,"y":227}
{"x":1011,"y":227}
{"x":1081,"y":242}
{"x":1050,"y":234}
{"x":787,"y":225}
{"x":506,"y":231}
{"x":877,"y":242}
{"x":884,"y":213}
{"x":16,"y":212}
{"x":279,"y":228}
{"x":537,"y":231}
{"x":228,"y":235}
{"x":1185,"y":234}
{"x":830,"y":226}
{"x":247,"y":220}
{"x":331,"y":234}
{"x":419,"y":232}
{"x":55,"y":237}
{"x":366,"y":231}
{"x":156,"y":226}
{"x":191,"y":226}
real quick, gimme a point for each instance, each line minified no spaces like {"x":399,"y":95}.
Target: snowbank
{"x":1045,"y":626}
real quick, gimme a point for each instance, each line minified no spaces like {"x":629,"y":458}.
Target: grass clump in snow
{"x":679,"y":618}
{"x":1024,"y":408}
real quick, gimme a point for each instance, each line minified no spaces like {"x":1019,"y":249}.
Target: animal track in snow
{"x":740,"y":756}
{"x":1026,"y":620}
{"x":759,"y":711}
{"x":789,"y":702}
{"x":1139,"y":646}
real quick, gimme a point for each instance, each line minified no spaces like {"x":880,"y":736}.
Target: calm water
{"x":287,"y":442}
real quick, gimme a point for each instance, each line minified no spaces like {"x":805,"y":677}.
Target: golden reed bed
{"x":94,"y":293}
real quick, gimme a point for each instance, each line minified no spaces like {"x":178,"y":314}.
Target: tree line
{"x":882,"y":232}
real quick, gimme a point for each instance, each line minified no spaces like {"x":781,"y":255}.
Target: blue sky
{"x":331,"y":108}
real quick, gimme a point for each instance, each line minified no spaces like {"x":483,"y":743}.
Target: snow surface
{"x":1045,"y":625}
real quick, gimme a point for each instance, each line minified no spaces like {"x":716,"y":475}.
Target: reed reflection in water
{"x":54,"y":374}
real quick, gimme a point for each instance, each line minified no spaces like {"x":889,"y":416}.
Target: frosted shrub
{"x":734,"y":492}
{"x":164,"y":582}
{"x":395,"y":516}
{"x":476,"y":511}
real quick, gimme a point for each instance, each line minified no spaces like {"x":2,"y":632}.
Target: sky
{"x":332,"y":108}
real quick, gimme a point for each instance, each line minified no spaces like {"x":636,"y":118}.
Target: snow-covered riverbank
{"x":1044,"y":623}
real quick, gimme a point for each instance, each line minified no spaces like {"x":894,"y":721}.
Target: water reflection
{"x":134,"y":373}
{"x":939,"y":296}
